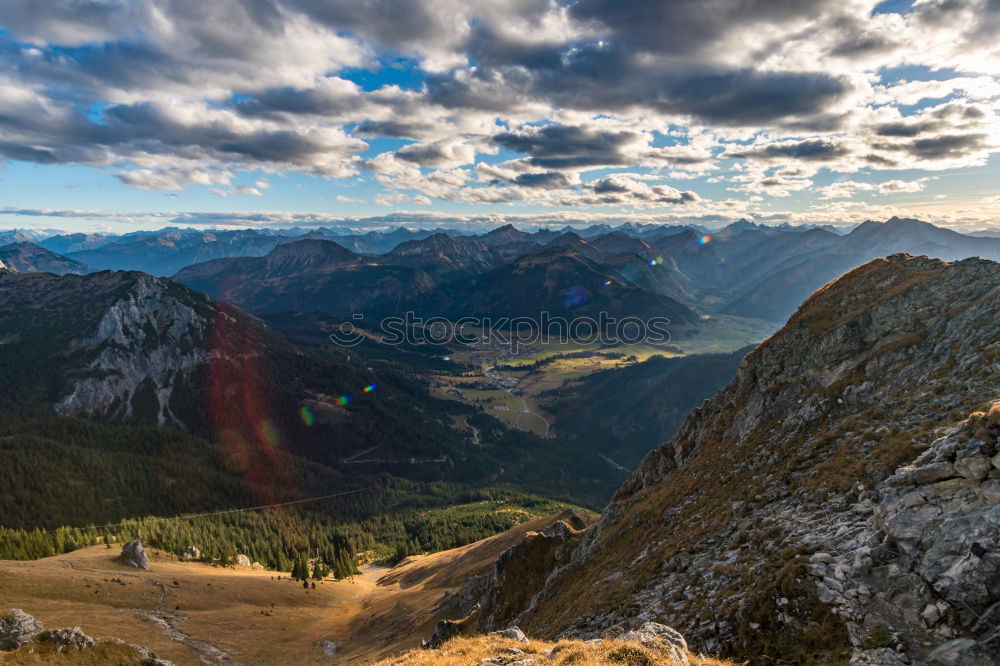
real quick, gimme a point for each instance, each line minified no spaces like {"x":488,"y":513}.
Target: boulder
{"x":660,"y":636}
{"x":190,"y":553}
{"x":73,"y":637}
{"x":513,"y":633}
{"x":17,"y":628}
{"x":134,"y":555}
{"x":911,"y":476}
{"x":243,"y":560}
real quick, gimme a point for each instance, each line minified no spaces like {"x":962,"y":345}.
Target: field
{"x":186,"y":612}
{"x":512,"y":386}
{"x":192,"y":613}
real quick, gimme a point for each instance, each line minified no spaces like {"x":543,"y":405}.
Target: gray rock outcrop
{"x":17,"y":628}
{"x":659,"y":635}
{"x":144,"y":339}
{"x":511,"y":633}
{"x":134,"y":555}
{"x":72,"y":637}
{"x":190,"y":553}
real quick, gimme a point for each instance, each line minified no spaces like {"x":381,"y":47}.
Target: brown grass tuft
{"x":464,"y":651}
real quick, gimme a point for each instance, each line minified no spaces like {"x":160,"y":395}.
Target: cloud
{"x":621,"y":189}
{"x":570,"y":147}
{"x":846,"y":189}
{"x":173,"y":93}
{"x":812,"y":150}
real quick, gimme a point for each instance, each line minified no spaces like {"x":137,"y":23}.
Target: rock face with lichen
{"x":835,"y":502}
{"x":17,"y":628}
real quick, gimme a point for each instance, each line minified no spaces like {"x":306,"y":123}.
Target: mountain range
{"x":135,"y":351}
{"x":443,"y":276}
{"x":836,"y":500}
{"x":744,"y":269}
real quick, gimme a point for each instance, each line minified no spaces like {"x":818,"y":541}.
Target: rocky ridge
{"x":835,"y":501}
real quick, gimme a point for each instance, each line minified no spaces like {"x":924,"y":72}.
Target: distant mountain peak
{"x":738,"y":227}
{"x":568,"y":241}
{"x":308,"y":251}
{"x":508,"y":233}
{"x":26,"y":257}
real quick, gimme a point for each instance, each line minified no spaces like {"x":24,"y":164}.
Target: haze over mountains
{"x":744,"y":269}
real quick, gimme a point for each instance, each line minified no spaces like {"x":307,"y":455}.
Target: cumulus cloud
{"x":166,"y":94}
{"x":847,"y":189}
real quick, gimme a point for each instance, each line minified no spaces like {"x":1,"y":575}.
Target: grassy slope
{"x":247,"y":613}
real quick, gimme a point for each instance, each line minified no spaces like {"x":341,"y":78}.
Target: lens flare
{"x":241,"y":405}
{"x":607,"y":283}
{"x":705,"y":240}
{"x":307,"y":416}
{"x":268,"y":433}
{"x":343,"y":400}
{"x":575,"y":296}
{"x":369,"y":388}
{"x":656,"y":261}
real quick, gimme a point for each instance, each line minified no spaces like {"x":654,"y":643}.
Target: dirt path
{"x":611,"y":462}
{"x":525,"y":410}
{"x":206,"y":652}
{"x":353,"y":460}
{"x":475,"y":433}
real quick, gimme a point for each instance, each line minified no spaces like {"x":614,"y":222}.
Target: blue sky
{"x":117,"y":116}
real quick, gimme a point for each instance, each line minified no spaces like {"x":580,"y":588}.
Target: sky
{"x":126,"y":114}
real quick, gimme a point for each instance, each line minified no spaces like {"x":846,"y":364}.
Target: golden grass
{"x":229,"y":607}
{"x":248,"y":613}
{"x":464,"y":651}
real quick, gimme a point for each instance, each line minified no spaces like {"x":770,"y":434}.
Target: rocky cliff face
{"x":838,"y":500}
{"x":124,"y":346}
{"x":144,"y":342}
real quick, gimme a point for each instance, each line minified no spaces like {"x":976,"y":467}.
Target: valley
{"x":233,"y":409}
{"x":192,"y":613}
